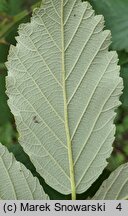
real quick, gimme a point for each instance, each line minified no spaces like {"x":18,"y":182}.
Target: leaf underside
{"x":63,"y":86}
{"x":16,"y":182}
{"x":116,"y":186}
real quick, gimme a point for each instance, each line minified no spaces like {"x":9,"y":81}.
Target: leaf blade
{"x":115,"y":187}
{"x":16,"y":182}
{"x":75,"y":105}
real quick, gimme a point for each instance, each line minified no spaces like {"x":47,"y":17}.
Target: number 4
{"x":119,"y":207}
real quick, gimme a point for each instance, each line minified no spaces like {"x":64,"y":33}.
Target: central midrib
{"x":68,"y":137}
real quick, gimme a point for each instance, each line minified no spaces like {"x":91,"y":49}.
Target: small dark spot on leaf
{"x":74,"y":15}
{"x":35,"y":120}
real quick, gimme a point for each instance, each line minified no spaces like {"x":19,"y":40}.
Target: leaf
{"x":116,"y":186}
{"x":63,"y":86}
{"x":116,"y":19}
{"x":16,"y":182}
